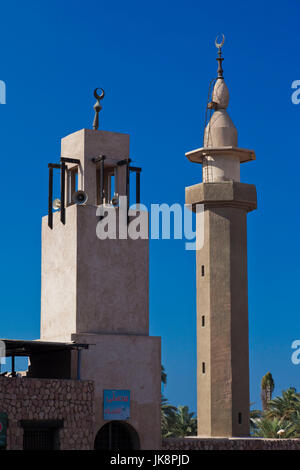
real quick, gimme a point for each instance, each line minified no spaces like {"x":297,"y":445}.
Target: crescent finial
{"x":97,"y":106}
{"x":220,"y":59}
{"x":96,"y":94}
{"x":219,"y":44}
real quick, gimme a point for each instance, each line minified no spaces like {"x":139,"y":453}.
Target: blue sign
{"x":116,"y":405}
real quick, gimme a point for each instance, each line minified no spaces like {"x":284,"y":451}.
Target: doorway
{"x":117,"y":435}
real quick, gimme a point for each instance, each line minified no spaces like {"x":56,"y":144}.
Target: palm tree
{"x":286,"y":406}
{"x":295,"y":419}
{"x":274,"y":428}
{"x":185,"y":423}
{"x":163,"y":376}
{"x":281,"y":419}
{"x":168,"y":417}
{"x":267,"y":388}
{"x":168,"y":412}
{"x":175,"y":422}
{"x":255,"y":415}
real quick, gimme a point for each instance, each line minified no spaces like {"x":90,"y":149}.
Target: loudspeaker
{"x":56,"y":204}
{"x":115,"y":200}
{"x":80,"y":197}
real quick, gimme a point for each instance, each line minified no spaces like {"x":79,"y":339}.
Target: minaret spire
{"x":220,"y":131}
{"x":97,"y":107}
{"x":220,"y":59}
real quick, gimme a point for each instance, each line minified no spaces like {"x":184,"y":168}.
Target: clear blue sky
{"x":155,"y":60}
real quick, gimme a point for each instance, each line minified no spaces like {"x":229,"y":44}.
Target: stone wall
{"x":196,"y":443}
{"x":49,"y":399}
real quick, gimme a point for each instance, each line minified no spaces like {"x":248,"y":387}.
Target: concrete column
{"x":222,"y":308}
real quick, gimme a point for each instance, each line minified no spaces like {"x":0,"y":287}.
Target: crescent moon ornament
{"x":97,"y":106}
{"x":98,"y":98}
{"x":219,"y":44}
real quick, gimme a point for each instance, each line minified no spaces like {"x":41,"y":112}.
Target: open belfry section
{"x":221,"y":270}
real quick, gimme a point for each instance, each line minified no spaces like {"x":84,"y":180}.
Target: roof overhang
{"x":19,"y":347}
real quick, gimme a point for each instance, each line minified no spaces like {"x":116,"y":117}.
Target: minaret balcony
{"x":227,"y":193}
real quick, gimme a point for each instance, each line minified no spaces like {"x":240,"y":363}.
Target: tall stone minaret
{"x":222,"y":298}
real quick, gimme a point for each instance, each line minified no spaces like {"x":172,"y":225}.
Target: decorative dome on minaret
{"x":220,"y":95}
{"x":220,"y":130}
{"x":220,"y":154}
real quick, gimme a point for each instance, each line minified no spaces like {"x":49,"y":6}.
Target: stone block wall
{"x":197,"y":443}
{"x":49,"y":399}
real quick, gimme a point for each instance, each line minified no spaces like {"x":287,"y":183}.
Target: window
{"x":72,"y":185}
{"x":240,"y":418}
{"x":41,"y":435}
{"x":203,"y":320}
{"x":38,"y":439}
{"x":202,"y":270}
{"x":109,"y":184}
{"x":203,"y":367}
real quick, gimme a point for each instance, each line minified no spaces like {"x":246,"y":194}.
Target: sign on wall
{"x":3,"y":429}
{"x":116,"y":404}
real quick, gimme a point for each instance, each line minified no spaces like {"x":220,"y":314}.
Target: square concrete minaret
{"x":91,"y":285}
{"x":95,"y":290}
{"x":222,"y":300}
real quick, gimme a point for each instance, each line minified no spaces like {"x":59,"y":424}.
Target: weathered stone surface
{"x":49,"y":399}
{"x":198,"y":443}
